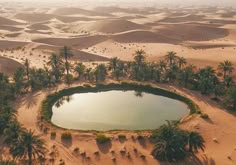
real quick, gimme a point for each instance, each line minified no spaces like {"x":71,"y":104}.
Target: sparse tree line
{"x":171,"y":69}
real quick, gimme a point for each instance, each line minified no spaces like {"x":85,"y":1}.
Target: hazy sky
{"x":138,"y":2}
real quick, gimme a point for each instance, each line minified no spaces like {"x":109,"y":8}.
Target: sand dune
{"x":8,"y":66}
{"x":10,"y":28}
{"x":34,"y":17}
{"x":5,"y":44}
{"x":114,"y":9}
{"x":143,"y":37}
{"x":39,"y":26}
{"x":129,"y":17}
{"x":37,"y":32}
{"x":188,"y":18}
{"x":67,"y":19}
{"x":77,"y":54}
{"x":13,"y":35}
{"x":208,"y":45}
{"x":228,"y":14}
{"x":29,"y":9}
{"x":221,"y":21}
{"x":40,"y":17}
{"x":79,"y":42}
{"x":84,"y":56}
{"x":75,"y":11}
{"x":5,"y":21}
{"x":193,"y":32}
{"x":107,"y":26}
{"x":173,"y":14}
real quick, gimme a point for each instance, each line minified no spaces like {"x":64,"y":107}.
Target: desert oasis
{"x":117,"y":82}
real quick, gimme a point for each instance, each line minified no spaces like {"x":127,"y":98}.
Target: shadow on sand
{"x":192,"y":160}
{"x":105,"y":147}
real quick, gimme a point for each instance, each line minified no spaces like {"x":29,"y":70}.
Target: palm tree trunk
{"x":190,"y":147}
{"x":30,"y":157}
{"x":27,"y":73}
{"x":67,"y":71}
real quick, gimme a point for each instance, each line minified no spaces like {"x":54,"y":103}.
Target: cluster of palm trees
{"x":23,"y":145}
{"x":170,"y":69}
{"x":174,"y":144}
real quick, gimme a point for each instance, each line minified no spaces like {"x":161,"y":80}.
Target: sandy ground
{"x":204,"y":36}
{"x":9,"y":66}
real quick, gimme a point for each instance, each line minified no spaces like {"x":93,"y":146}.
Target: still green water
{"x":110,"y":110}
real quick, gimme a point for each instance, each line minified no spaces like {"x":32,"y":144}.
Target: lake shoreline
{"x":46,"y":112}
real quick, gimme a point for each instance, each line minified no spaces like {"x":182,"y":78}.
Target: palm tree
{"x":68,"y":77}
{"x":171,"y":73}
{"x":205,"y":78}
{"x":171,"y":57}
{"x":19,"y":78}
{"x":80,"y":69}
{"x":27,"y":65}
{"x":138,"y":64}
{"x":28,"y":146}
{"x":187,"y":74}
{"x":66,"y":53}
{"x":157,"y":75}
{"x":170,"y":143}
{"x":12,"y":132}
{"x":114,"y":62}
{"x":195,"y":142}
{"x":231,"y":98}
{"x":226,"y":67}
{"x":55,"y":63}
{"x":139,"y":57}
{"x":228,"y":81}
{"x":181,"y":62}
{"x":162,"y":65}
{"x":7,"y":162}
{"x":5,"y":116}
{"x":160,"y":150}
{"x":87,"y":74}
{"x":100,"y":72}
{"x":120,"y":70}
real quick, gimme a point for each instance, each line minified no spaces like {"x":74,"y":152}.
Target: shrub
{"x":76,"y":150}
{"x":101,"y":139}
{"x":122,"y":137}
{"x":114,"y":159}
{"x":53,"y":134}
{"x":204,"y":116}
{"x":143,"y":157}
{"x":140,"y":137}
{"x":96,"y":153}
{"x":122,"y":152}
{"x":66,"y":136}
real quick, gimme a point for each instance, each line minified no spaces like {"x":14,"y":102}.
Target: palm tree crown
{"x":28,"y":146}
{"x":171,"y":57}
{"x":226,"y":67}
